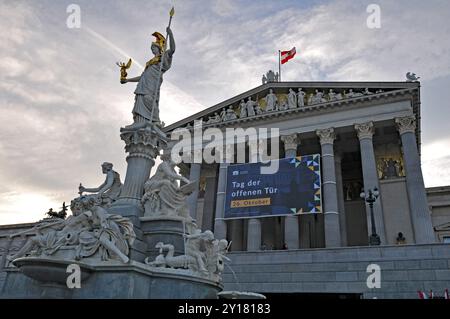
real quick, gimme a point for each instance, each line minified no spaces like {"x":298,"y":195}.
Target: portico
{"x":366,"y":139}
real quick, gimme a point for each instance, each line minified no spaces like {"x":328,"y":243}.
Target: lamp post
{"x":371,"y":198}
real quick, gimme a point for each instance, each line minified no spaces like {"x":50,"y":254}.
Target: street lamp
{"x":374,"y":239}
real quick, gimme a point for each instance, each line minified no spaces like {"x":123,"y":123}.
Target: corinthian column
{"x":420,"y":215}
{"x":291,"y":233}
{"x":332,"y":227}
{"x":220,"y":226}
{"x":142,"y":147}
{"x":370,"y":175}
{"x":194,"y":175}
{"x":341,"y":204}
{"x":254,"y":224}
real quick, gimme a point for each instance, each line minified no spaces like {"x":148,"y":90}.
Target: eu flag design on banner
{"x":294,"y":189}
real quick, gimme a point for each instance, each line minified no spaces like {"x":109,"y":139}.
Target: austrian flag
{"x":287,"y":55}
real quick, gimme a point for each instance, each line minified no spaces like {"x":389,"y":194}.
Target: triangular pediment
{"x":288,"y":98}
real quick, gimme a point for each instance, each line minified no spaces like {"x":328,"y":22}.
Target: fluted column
{"x":370,"y":175}
{"x":291,"y":231}
{"x":341,"y":204}
{"x":220,"y":226}
{"x":332,"y":226}
{"x":254,"y":224}
{"x":420,"y":215}
{"x":194,"y":176}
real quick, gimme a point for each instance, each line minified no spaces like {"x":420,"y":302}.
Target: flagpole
{"x":279,"y":65}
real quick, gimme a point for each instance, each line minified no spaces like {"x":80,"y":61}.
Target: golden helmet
{"x":160,"y":40}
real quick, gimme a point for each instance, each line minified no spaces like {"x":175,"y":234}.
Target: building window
{"x":446,"y":239}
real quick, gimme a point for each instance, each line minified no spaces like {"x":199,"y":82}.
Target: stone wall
{"x":404,"y":270}
{"x":439,"y":204}
{"x":397,"y":217}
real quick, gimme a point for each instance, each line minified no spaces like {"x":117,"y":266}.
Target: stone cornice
{"x":394,"y":88}
{"x":308,"y":108}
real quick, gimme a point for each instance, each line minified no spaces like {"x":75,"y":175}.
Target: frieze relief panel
{"x":282,"y":99}
{"x":389,"y":161}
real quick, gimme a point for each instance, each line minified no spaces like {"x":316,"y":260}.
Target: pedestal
{"x":142,"y":145}
{"x":168,"y":230}
{"x":109,"y":281}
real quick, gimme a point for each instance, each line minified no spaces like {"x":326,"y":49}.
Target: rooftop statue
{"x":107,"y":192}
{"x":146,"y":106}
{"x":270,"y":76}
{"x":411,"y":77}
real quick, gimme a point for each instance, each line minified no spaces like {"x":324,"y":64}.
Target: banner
{"x":294,"y":189}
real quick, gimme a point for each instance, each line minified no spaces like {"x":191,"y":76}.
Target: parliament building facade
{"x":368,"y":137}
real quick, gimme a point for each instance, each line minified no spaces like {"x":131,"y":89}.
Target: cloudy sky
{"x":61,"y":104}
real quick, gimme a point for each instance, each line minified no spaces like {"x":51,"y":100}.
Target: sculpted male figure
{"x":194,"y":244}
{"x":149,"y":82}
{"x":109,"y":190}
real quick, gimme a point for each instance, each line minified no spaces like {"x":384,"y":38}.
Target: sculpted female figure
{"x":149,"y":82}
{"x":162,"y":195}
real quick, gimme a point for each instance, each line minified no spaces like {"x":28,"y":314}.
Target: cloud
{"x":62,"y":105}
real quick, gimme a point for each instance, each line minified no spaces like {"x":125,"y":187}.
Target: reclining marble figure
{"x":87,"y":233}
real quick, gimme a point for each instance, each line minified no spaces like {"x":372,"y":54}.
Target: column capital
{"x":327,"y":136}
{"x":406,"y":124}
{"x":365,"y":130}
{"x":290,"y":141}
{"x":141,"y":143}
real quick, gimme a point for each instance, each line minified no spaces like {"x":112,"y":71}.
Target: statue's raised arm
{"x":171,"y":49}
{"x":146,"y":106}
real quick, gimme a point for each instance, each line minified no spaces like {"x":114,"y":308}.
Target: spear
{"x":171,"y":14}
